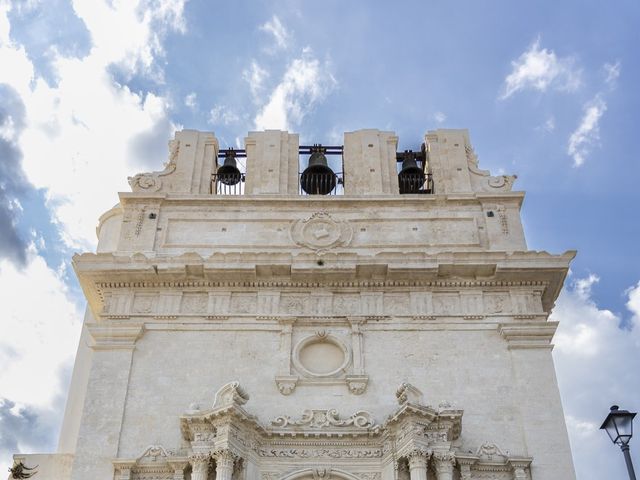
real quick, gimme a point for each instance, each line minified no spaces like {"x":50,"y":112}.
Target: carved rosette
{"x":321,"y":233}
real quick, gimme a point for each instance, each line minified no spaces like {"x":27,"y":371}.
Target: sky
{"x":92,"y":90}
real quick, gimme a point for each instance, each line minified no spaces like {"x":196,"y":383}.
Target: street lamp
{"x":619,"y":427}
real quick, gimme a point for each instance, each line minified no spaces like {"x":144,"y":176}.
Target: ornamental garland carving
{"x":321,"y":452}
{"x":326,"y":418}
{"x":321,"y":233}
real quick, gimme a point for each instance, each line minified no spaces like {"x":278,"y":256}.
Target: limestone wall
{"x":325,"y":304}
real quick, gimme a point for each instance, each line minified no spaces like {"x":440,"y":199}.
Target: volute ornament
{"x":326,"y":418}
{"x":152,"y":181}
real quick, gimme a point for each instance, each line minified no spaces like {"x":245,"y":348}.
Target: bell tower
{"x":289,"y":311}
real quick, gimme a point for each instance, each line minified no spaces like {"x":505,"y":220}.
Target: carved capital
{"x":199,"y":465}
{"x":199,"y":458}
{"x":418,"y":458}
{"x":520,"y":467}
{"x":444,"y":462}
{"x":224,"y":458}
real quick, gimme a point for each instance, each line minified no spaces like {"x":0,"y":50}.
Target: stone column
{"x":444,"y":465}
{"x":418,"y":464}
{"x":224,"y":464}
{"x":199,"y":466}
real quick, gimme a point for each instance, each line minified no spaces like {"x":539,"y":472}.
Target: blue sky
{"x":90,"y":92}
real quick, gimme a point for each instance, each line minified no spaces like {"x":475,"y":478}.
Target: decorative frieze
{"x":417,"y":303}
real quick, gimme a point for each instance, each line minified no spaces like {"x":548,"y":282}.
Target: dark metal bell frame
{"x":411,"y":177}
{"x":318,"y":178}
{"x":228,"y":173}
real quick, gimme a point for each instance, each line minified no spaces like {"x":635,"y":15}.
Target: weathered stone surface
{"x":305,"y":314}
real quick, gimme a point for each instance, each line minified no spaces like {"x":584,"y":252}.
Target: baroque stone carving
{"x":230,"y":394}
{"x":326,"y":418}
{"x":152,"y":181}
{"x":408,"y":393}
{"x":491,"y":452}
{"x":321,"y":452}
{"x":286,"y":383}
{"x":357,"y":383}
{"x":482,"y":179}
{"x":321,"y":233}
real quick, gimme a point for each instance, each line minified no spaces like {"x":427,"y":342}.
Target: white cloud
{"x":277,"y":30}
{"x":439,"y":117}
{"x":255,"y":76}
{"x":612,"y":72}
{"x":38,"y":322}
{"x":85,"y":134}
{"x":140,"y":26}
{"x":539,"y":69}
{"x":597,"y":362}
{"x":305,"y":83}
{"x":222,"y":115}
{"x":588,"y":132}
{"x":39,"y":334}
{"x":548,"y":126}
{"x":191,"y":101}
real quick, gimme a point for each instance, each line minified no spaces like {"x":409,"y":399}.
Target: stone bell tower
{"x":259,"y":324}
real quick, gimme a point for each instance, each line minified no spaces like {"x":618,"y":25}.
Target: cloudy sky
{"x":91,"y":90}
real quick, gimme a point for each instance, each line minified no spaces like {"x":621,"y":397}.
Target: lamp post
{"x":619,"y":427}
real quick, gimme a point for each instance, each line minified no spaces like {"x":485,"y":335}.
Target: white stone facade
{"x":277,"y":336}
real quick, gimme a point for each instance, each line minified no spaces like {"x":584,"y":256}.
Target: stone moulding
{"x":528,"y":334}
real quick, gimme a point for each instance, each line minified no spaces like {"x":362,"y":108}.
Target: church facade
{"x":259,"y":324}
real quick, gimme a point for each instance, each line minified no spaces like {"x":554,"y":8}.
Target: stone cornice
{"x":301,"y":201}
{"x":528,"y":334}
{"x":246,"y":270}
{"x":114,"y":337}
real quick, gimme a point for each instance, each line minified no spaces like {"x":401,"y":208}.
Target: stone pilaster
{"x":418,"y":460}
{"x":464,"y":464}
{"x":520,"y":468}
{"x":178,"y":469}
{"x":444,"y":463}
{"x":199,"y":466}
{"x":224,"y":464}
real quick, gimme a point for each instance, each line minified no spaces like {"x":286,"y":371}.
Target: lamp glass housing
{"x":619,"y":425}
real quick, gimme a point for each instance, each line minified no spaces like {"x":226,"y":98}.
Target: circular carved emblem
{"x":321,"y":232}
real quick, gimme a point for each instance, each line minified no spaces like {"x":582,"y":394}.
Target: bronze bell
{"x":228,"y":173}
{"x":318,"y":178}
{"x":411,"y":177}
